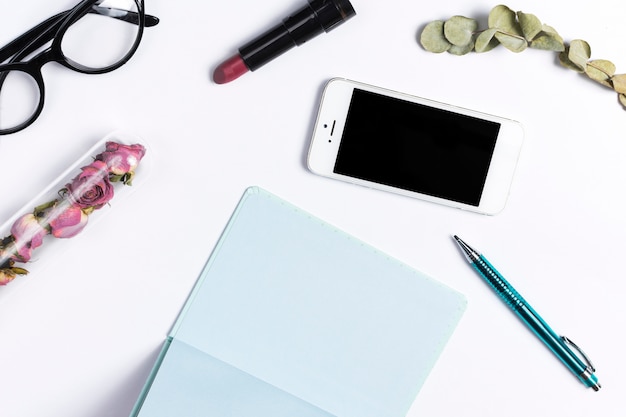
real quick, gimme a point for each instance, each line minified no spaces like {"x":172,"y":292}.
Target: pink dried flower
{"x":122,"y":159}
{"x":6,"y":276}
{"x":28,"y":234}
{"x":91,"y":188}
{"x":66,"y":220}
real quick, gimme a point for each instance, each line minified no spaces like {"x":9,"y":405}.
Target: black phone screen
{"x":416,"y":147}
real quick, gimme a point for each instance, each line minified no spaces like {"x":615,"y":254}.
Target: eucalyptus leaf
{"x":530,"y":24}
{"x":463,"y":49}
{"x":459,"y":30}
{"x":579,"y":53}
{"x":619,"y":83}
{"x":486,"y":41}
{"x":565,"y":61}
{"x":602,"y":71}
{"x":548,"y":43}
{"x":548,"y":40}
{"x":504,"y":19}
{"x":433,"y":38}
{"x":511,"y":42}
{"x":550,"y":30}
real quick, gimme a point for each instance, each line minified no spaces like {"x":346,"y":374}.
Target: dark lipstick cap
{"x":332,"y":13}
{"x":318,"y":16}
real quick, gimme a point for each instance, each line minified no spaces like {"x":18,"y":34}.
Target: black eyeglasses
{"x":94,"y":37}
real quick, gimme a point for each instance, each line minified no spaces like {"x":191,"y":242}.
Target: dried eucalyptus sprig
{"x":518,"y":31}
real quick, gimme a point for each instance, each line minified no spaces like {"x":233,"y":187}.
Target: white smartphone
{"x":416,"y":147}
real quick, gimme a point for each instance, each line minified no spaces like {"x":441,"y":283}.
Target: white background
{"x":79,"y":335}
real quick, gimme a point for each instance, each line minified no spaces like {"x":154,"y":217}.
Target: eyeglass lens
{"x":19,"y":98}
{"x":101,"y":38}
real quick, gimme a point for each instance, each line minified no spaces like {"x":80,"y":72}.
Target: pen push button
{"x":587,"y":377}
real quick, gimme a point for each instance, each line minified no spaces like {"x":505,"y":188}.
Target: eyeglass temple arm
{"x":125,"y":15}
{"x":46,"y":30}
{"x":47,"y":27}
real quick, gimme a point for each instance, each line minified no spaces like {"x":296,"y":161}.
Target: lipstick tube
{"x":316,"y":17}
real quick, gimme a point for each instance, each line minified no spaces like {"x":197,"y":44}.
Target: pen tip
{"x":469,"y":253}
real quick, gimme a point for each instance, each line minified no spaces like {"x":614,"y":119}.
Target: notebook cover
{"x":291,"y":316}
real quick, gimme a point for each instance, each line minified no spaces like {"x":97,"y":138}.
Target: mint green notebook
{"x":293,"y":318}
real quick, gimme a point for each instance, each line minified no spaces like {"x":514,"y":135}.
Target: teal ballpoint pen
{"x":559,"y":345}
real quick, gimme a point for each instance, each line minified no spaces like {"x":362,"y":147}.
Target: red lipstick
{"x":316,"y":17}
{"x":232,"y":68}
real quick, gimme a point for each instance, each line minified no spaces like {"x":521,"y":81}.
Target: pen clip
{"x":568,"y":341}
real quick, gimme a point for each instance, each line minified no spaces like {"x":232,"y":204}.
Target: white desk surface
{"x":79,"y":335}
